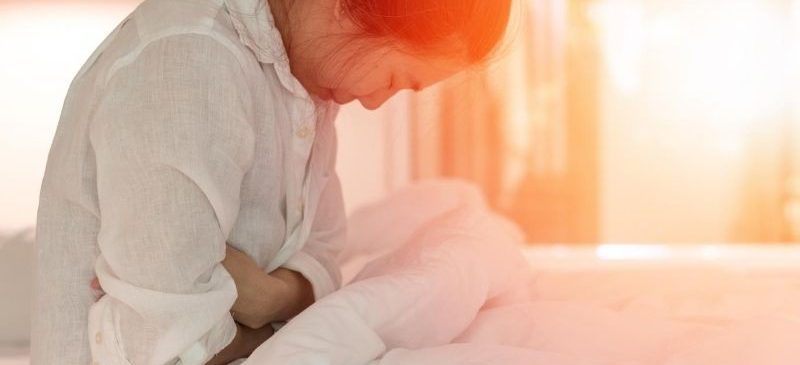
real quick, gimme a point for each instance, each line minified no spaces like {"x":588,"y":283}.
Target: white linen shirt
{"x":183,"y":131}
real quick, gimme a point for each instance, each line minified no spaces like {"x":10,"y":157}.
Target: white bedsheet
{"x":448,"y":285}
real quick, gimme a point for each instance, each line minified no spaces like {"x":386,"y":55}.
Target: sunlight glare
{"x":720,"y":58}
{"x":614,"y":252}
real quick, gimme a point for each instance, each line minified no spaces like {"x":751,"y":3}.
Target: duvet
{"x":436,"y":277}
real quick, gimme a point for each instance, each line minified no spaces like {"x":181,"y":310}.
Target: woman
{"x":197,"y":123}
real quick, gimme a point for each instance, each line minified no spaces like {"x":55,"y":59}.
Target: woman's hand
{"x":246,"y":341}
{"x":259,"y":294}
{"x":243,"y":344}
{"x":265,"y":298}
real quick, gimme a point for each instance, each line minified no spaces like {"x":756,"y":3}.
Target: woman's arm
{"x":248,"y":337}
{"x":265,"y":297}
{"x":262,"y":298}
{"x":310,"y":274}
{"x":172,"y":140}
{"x":246,"y":341}
{"x":318,"y":261}
{"x":298,"y":292}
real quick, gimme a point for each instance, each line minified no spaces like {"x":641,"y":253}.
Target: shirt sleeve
{"x":317,"y":261}
{"x":172,"y":140}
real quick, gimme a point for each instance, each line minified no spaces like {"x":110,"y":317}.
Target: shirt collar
{"x":256,"y":27}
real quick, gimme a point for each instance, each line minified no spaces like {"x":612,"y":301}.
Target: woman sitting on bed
{"x":198,"y":123}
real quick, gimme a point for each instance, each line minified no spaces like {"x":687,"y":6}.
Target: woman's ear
{"x":344,"y":22}
{"x":337,"y":10}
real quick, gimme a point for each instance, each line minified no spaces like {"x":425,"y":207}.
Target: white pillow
{"x":16,"y":282}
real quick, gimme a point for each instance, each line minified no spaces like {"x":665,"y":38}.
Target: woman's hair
{"x":455,"y":28}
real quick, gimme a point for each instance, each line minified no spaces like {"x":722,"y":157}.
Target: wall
{"x":374,"y":151}
{"x":39,"y":60}
{"x":694,"y":108}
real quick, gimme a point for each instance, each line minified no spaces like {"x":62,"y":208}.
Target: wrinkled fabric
{"x":451,"y":257}
{"x":183,"y":131}
{"x":435,"y":278}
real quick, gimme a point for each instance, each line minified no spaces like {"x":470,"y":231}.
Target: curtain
{"x":792,"y":208}
{"x":525,"y":128}
{"x":769,"y":204}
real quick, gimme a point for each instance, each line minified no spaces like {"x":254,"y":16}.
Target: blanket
{"x":434,"y":276}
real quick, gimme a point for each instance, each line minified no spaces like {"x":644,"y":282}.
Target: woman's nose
{"x":378,"y":98}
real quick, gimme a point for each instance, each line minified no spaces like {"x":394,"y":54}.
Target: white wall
{"x":690,"y":89}
{"x":42,"y":46}
{"x":374,"y":151}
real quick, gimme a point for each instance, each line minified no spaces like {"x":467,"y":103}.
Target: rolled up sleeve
{"x":172,"y":140}
{"x":317,"y":261}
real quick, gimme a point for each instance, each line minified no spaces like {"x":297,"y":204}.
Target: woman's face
{"x":369,"y":73}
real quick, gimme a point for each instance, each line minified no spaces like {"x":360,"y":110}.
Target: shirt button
{"x":303,"y":132}
{"x":98,"y":338}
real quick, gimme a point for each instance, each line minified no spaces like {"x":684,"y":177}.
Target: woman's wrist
{"x":296,"y":294}
{"x":273,"y":297}
{"x":259,"y":299}
{"x":265,"y":297}
{"x":234,"y":350}
{"x":244,"y":343}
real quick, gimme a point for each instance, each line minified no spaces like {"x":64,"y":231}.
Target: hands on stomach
{"x":263,"y":298}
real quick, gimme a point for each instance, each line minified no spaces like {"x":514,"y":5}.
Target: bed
{"x":605,"y":304}
{"x":446,"y":284}
{"x":707,"y":282}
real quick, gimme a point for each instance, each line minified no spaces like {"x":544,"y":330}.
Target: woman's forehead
{"x":427,"y":71}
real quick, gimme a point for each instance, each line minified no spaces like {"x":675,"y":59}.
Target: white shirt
{"x":183,"y":131}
